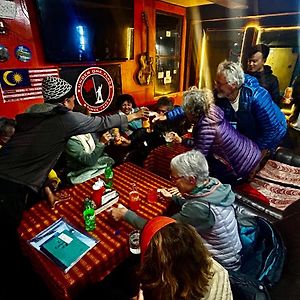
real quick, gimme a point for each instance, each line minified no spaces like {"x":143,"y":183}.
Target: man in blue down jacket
{"x":249,"y":107}
{"x":28,"y":157}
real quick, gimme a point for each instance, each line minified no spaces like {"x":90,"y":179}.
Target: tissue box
{"x":109,"y":198}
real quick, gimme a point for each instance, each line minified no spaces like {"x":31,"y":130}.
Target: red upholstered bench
{"x":158,"y":160}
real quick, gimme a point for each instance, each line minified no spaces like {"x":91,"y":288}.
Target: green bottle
{"x":108,"y":177}
{"x":89,"y":216}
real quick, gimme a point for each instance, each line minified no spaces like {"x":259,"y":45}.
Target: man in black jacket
{"x":258,"y":55}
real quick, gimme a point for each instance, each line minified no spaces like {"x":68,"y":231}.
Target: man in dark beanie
{"x":25,"y":161}
{"x":258,"y":55}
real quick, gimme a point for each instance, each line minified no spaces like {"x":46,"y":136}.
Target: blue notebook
{"x":64,"y":248}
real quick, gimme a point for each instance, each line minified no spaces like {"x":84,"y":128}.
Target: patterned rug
{"x":277,"y":182}
{"x":280,"y":173}
{"x":279,"y":196}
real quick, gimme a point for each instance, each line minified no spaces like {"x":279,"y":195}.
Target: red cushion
{"x":250,"y":192}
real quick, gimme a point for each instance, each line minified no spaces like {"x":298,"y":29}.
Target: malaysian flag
{"x":23,"y":84}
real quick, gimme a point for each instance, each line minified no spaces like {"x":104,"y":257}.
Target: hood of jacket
{"x":35,"y":114}
{"x":214,"y":192}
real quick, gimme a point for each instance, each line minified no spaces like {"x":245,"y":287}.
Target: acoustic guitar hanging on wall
{"x":146,"y":72}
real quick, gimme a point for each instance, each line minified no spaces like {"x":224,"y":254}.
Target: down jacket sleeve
{"x":270,"y":120}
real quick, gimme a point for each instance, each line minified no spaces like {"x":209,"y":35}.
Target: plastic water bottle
{"x":108,"y":177}
{"x":89,"y":216}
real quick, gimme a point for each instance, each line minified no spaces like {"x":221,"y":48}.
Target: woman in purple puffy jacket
{"x":231,"y":156}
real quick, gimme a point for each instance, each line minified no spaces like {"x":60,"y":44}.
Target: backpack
{"x":262,"y":259}
{"x":245,"y":288}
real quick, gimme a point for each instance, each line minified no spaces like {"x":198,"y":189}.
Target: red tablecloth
{"x":113,"y":236}
{"x":158,"y":160}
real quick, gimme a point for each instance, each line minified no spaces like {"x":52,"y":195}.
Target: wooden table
{"x":158,"y":160}
{"x":113,"y":236}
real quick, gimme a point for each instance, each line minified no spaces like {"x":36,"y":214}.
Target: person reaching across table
{"x":206,"y":204}
{"x":28,"y":157}
{"x":231,"y":156}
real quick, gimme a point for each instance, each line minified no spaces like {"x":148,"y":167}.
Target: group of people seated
{"x":235,"y":127}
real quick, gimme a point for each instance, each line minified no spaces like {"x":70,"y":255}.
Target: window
{"x":168,"y":48}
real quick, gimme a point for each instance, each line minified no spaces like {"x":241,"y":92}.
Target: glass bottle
{"x":89,"y":216}
{"x":108,"y":177}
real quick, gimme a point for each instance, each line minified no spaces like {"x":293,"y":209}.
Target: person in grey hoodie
{"x":26,"y":160}
{"x":204,"y":202}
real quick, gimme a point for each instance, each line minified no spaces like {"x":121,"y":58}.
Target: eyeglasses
{"x":174,"y":178}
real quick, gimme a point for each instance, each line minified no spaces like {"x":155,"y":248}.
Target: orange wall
{"x":23,"y":30}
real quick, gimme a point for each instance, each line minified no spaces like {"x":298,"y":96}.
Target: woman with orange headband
{"x":176,"y":265}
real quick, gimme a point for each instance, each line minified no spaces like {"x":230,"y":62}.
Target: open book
{"x":63,"y":244}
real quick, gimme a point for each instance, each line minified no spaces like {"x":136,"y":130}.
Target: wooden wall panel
{"x":24,"y":30}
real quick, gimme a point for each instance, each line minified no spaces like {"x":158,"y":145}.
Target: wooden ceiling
{"x":226,"y":3}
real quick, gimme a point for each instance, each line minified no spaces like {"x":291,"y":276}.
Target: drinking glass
{"x":134,"y":200}
{"x":134,"y":242}
{"x":152,"y":195}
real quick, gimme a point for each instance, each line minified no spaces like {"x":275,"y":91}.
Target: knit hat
{"x":54,"y":88}
{"x":150,"y":229}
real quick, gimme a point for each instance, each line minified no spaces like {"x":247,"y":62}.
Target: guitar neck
{"x":147,"y":43}
{"x":145,"y":17}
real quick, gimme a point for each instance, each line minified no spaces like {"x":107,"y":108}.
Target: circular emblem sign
{"x":23,"y":53}
{"x":94,"y":89}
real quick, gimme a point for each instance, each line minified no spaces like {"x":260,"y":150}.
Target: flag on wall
{"x":23,"y":84}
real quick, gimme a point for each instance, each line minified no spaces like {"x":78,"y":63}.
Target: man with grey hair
{"x":204,"y":202}
{"x":249,"y":107}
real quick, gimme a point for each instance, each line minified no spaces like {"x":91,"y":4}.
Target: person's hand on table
{"x":118,"y":213}
{"x":166,"y":194}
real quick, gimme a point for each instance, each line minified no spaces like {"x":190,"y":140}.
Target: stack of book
{"x":109,"y":198}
